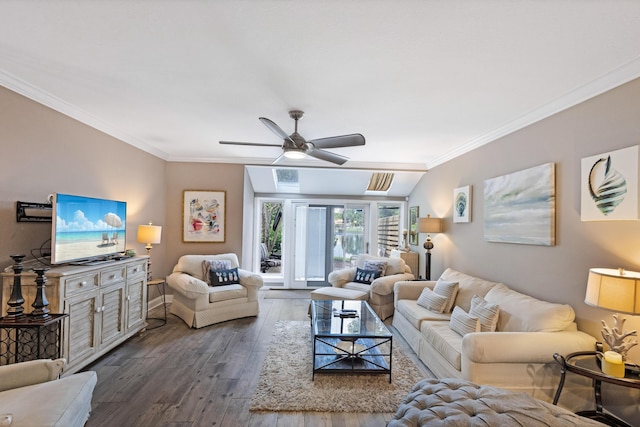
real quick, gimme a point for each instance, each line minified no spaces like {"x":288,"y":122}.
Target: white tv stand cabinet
{"x":106,"y":303}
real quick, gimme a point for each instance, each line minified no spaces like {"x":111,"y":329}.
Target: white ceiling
{"x":423,"y":81}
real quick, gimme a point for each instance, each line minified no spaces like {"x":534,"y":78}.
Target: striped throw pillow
{"x":449,"y":290}
{"x":463,"y":323}
{"x":432,"y":301}
{"x":485,"y":311}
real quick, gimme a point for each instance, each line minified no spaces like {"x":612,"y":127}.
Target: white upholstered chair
{"x":32,"y":395}
{"x":199,"y":304}
{"x":379,"y":293}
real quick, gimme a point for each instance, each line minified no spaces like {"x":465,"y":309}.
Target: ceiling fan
{"x":296,"y":147}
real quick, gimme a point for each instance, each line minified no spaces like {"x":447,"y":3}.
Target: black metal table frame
{"x":368,"y":354}
{"x":163,"y":321}
{"x":598,"y":378}
{"x":20,"y":345}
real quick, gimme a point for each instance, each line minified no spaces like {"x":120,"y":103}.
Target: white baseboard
{"x":157,"y":301}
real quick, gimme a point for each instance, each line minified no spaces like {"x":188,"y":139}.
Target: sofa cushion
{"x":394,"y":265}
{"x":226,"y":292}
{"x":445,"y":341}
{"x":522,"y":313}
{"x":416,"y":315}
{"x":380,"y":266}
{"x":449,"y":290}
{"x":463,"y":323}
{"x":486,"y":312}
{"x":432,"y":301}
{"x":468,"y":286}
{"x":354,"y":286}
{"x":366,"y":276}
{"x":224,"y":277}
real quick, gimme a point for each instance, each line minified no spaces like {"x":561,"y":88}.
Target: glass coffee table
{"x":347,"y":337}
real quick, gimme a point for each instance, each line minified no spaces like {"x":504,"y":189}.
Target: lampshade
{"x":429,"y":225}
{"x":149,"y":234}
{"x":615,"y":290}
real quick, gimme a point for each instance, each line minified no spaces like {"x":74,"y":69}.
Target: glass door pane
{"x":326,"y":238}
{"x":351,"y":232}
{"x":310,"y":245}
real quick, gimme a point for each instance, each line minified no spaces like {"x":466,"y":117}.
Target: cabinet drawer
{"x":114,"y":275}
{"x":78,"y":284}
{"x":134,"y":271}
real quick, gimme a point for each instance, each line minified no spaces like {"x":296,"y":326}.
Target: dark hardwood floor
{"x":177,"y":376}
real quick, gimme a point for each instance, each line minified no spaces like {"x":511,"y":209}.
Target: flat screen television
{"x":87,"y":229}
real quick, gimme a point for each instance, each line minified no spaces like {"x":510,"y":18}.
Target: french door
{"x":326,"y":237}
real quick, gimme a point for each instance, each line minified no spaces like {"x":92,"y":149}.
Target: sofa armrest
{"x":411,"y":290}
{"x":339,"y":278}
{"x":253,"y":282}
{"x":384,"y":285}
{"x":187,"y":285}
{"x":523,"y":347}
{"x":29,"y":373}
{"x":250,"y":279}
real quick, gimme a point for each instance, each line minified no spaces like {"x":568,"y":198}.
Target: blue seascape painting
{"x":520,"y":207}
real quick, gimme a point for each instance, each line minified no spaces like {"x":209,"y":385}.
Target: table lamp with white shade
{"x":149,"y":234}
{"x":616,"y":290}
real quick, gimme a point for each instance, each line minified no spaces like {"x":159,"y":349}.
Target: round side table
{"x":158,"y":283}
{"x":587,"y":364}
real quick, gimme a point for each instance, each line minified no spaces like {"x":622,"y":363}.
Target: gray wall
{"x":204,"y":176}
{"x":44,"y":152}
{"x":557,"y":273}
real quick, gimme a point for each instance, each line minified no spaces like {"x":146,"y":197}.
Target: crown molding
{"x":604,"y":83}
{"x":49,"y":100}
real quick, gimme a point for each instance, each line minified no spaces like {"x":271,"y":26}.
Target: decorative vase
{"x":15,"y":309}
{"x":40,"y":304}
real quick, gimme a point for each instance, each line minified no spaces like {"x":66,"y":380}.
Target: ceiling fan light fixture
{"x":294,"y":153}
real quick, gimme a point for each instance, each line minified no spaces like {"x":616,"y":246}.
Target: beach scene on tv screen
{"x":88,"y":228}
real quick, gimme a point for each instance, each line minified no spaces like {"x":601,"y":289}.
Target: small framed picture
{"x":203,"y":216}
{"x":413,"y":224}
{"x":462,"y":204}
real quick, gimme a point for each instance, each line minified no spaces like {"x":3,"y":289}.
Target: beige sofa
{"x":517,"y":357}
{"x":32,"y":395}
{"x":379,"y":293}
{"x":199,"y":304}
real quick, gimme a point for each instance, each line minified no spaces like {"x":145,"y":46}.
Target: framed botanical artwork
{"x":609,"y":186}
{"x":521,"y":207}
{"x":413,"y":225}
{"x":203,"y":216}
{"x":462,"y":204}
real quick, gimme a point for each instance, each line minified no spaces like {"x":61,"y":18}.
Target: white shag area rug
{"x":285,"y":382}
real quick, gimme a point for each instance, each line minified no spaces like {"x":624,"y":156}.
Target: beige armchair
{"x":199,"y":304}
{"x":32,"y":395}
{"x":380,"y":291}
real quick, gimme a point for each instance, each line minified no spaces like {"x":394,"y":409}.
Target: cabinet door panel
{"x":111,"y":310}
{"x":136,"y":304}
{"x":80,"y":327}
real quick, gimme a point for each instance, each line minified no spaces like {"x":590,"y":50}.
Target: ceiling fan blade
{"x":350,"y":140}
{"x":249,"y":143}
{"x":275,"y":128}
{"x":326,"y":155}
